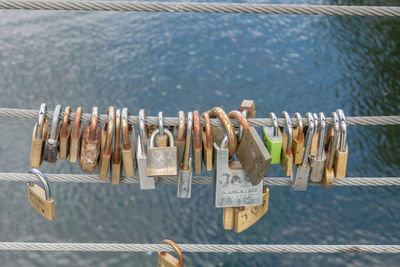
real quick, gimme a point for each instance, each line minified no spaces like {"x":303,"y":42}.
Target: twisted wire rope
{"x":340,"y":10}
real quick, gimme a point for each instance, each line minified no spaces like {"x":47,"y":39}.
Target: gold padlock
{"x":90,"y":147}
{"x":128,"y":145}
{"x":75,"y":142}
{"x":116,"y":170}
{"x":343,"y":149}
{"x":329,"y":175}
{"x":197,"y":148}
{"x":167,"y":260}
{"x":228,"y":218}
{"x":208,"y":147}
{"x":40,"y":198}
{"x":180,"y":137}
{"x":38,"y":136}
{"x":106,"y":144}
{"x":298,"y":140}
{"x":65,"y":134}
{"x":287,"y":152}
{"x":245,"y":217}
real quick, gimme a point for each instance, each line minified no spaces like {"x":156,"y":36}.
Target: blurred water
{"x":196,"y":61}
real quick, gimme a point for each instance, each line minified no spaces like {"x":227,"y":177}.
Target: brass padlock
{"x":107,"y":135}
{"x":298,"y":140}
{"x":245,"y":217}
{"x":228,"y":218}
{"x":180,"y":137}
{"x":287,"y":152}
{"x":161,"y":161}
{"x":40,"y":198}
{"x":252,"y":153}
{"x":329,"y":175}
{"x":208,"y":148}
{"x":53,"y":138}
{"x":65,"y":134}
{"x":185,"y":174}
{"x":314,"y":141}
{"x":167,"y":260}
{"x":75,"y":142}
{"x":38,"y":137}
{"x":116,"y":170}
{"x":197,"y":144}
{"x":128,"y":145}
{"x":343,"y":149}
{"x":90,"y":147}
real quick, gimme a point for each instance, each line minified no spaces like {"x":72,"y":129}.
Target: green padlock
{"x":272,"y":137}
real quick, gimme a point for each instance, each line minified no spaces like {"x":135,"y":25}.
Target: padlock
{"x":116,"y":168}
{"x":65,"y":134}
{"x":342,"y":152}
{"x":329,"y":175}
{"x":185,"y":173}
{"x":298,"y":140}
{"x":318,"y":162}
{"x":301,"y":173}
{"x":53,"y":138}
{"x":107,"y":135}
{"x":38,"y":137}
{"x":180,"y":137}
{"x":197,"y":144}
{"x":232,"y":187}
{"x":167,"y":260}
{"x":141,"y":154}
{"x":128,"y":145}
{"x":245,"y":217}
{"x":287,"y":151}
{"x":207,"y":143}
{"x":75,"y":142}
{"x":40,"y":198}
{"x":90,"y":143}
{"x":272,"y":137}
{"x":228,"y":218}
{"x":161,"y":161}
{"x":251,"y":152}
{"x":162,"y":139}
{"x":314,"y":141}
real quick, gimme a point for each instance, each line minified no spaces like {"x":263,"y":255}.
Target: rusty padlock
{"x":167,"y":260}
{"x":90,"y":146}
{"x":65,"y":134}
{"x":116,"y":170}
{"x":107,"y":135}
{"x":197,"y":144}
{"x":38,"y":137}
{"x":208,"y":148}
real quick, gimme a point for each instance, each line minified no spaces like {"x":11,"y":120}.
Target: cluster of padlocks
{"x":305,"y":153}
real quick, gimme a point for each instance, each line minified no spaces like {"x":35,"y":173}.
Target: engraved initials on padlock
{"x":40,"y":198}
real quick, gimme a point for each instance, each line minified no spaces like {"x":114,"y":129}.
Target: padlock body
{"x":248,"y":216}
{"x":317,"y":168}
{"x":340,"y":163}
{"x":90,"y":150}
{"x":286,"y":158}
{"x":167,"y":260}
{"x":50,"y":151}
{"x":38,"y":146}
{"x":74,"y":149}
{"x":65,"y":143}
{"x":129,"y":157}
{"x":298,"y":146}
{"x":314,"y":144}
{"x":161,"y":161}
{"x":37,"y":198}
{"x":184,"y":189}
{"x":300,"y":177}
{"x":329,"y":178}
{"x":104,"y":164}
{"x":197,"y":160}
{"x":207,"y":153}
{"x":180,"y":149}
{"x":116,"y":172}
{"x":273,"y":144}
{"x":228,"y":218}
{"x":145,"y":181}
{"x":217,"y":134}
{"x":253,"y":156}
{"x":232,"y":187}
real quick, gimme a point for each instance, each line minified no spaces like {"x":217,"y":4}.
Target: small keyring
{"x":289,"y":128}
{"x":41,"y":119}
{"x":177,"y":250}
{"x":275,"y":123}
{"x":161,"y":123}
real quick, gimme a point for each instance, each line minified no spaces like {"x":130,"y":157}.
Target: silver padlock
{"x":141,"y":155}
{"x":162,"y":161}
{"x":232,"y":187}
{"x":185,"y":174}
{"x":318,"y":161}
{"x":301,"y":173}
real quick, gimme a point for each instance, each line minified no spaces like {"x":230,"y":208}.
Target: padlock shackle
{"x":196,"y":130}
{"x":309,"y":136}
{"x":289,"y":128}
{"x":275,"y":124}
{"x":177,"y":250}
{"x":41,"y":121}
{"x":240,"y":118}
{"x":186,"y":155}
{"x":321,"y":136}
{"x":117,"y":143}
{"x":300,"y":126}
{"x":54,"y":125}
{"x":229,"y":130}
{"x":157,"y":132}
{"x":334,"y":141}
{"x":343,"y":130}
{"x":77,"y":123}
{"x":180,"y":136}
{"x":93,"y":124}
{"x":245,"y":113}
{"x":65,"y":123}
{"x":161,"y":123}
{"x":207,"y":127}
{"x":126,"y":128}
{"x":142,"y":129}
{"x":109,"y":128}
{"x":42,"y":179}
